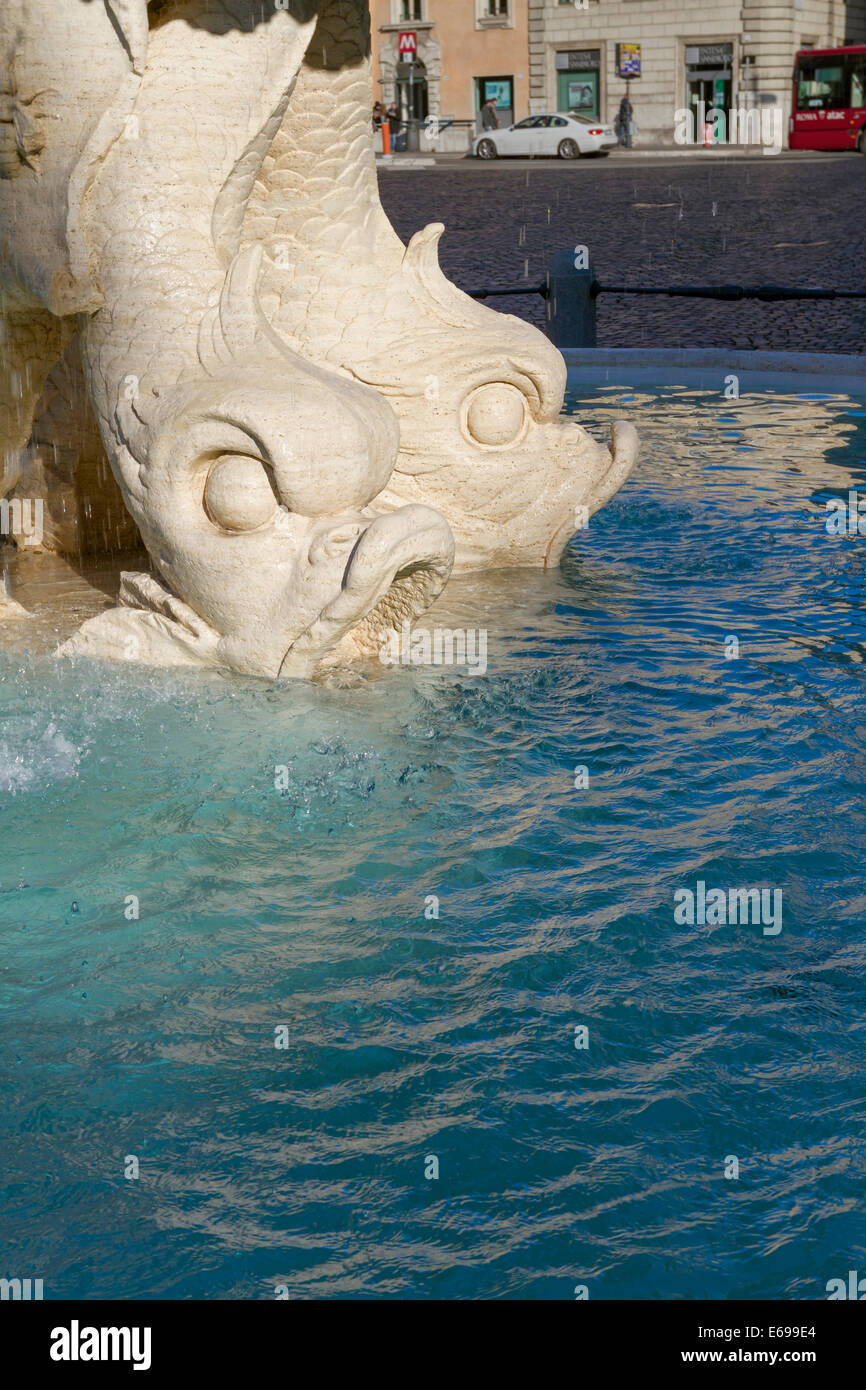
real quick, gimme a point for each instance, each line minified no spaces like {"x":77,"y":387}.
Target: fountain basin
{"x":431,"y":877}
{"x":706,"y":367}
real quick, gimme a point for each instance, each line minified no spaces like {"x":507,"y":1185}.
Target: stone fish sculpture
{"x":190,"y":188}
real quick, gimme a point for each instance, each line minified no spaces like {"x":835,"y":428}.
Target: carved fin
{"x":239,"y":311}
{"x":242,"y":322}
{"x":421,"y":266}
{"x":150,"y":593}
{"x":213,"y":352}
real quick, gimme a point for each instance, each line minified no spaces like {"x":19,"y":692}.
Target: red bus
{"x":828,"y":111}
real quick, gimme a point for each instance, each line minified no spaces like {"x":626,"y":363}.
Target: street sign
{"x":408,"y":43}
{"x":628,"y":60}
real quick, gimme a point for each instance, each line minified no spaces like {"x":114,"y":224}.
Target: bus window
{"x":820,"y":86}
{"x":858,"y":86}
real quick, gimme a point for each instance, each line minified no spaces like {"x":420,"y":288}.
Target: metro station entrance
{"x":412,"y":93}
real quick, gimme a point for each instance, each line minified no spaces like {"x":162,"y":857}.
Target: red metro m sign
{"x":408,"y":44}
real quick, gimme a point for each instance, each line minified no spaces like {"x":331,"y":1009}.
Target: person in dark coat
{"x":489,"y":117}
{"x":623,"y":122}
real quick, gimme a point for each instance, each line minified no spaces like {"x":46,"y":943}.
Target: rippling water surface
{"x":409,"y":1036}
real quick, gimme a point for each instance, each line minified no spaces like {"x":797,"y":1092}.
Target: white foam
{"x":32,"y":761}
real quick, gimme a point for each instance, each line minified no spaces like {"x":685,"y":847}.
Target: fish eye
{"x":239,"y":493}
{"x":495,"y":415}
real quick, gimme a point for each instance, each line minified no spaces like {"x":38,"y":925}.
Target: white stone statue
{"x":306,"y":420}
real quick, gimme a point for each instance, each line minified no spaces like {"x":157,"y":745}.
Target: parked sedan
{"x":551,"y":134}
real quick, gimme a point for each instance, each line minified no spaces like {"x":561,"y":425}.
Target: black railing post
{"x":571,"y":303}
{"x":571,"y":291}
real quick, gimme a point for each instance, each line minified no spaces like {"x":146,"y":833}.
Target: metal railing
{"x":515,"y":289}
{"x":571,"y":291}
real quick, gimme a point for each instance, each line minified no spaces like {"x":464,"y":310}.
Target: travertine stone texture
{"x":478,"y":394}
{"x":306,"y":421}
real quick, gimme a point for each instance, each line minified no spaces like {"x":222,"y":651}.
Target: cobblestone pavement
{"x":745,"y":222}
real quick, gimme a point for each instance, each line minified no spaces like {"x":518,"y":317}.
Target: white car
{"x":551,"y":134}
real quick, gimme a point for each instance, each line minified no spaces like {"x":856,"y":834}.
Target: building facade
{"x":693,"y":55}
{"x":456,"y":55}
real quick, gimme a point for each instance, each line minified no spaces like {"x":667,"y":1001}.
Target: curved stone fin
{"x":295,"y":21}
{"x":231,"y":203}
{"x":130,"y":19}
{"x":212,"y":350}
{"x":239,"y":315}
{"x":150,"y":624}
{"x":149,"y":593}
{"x":145,"y":636}
{"x":421,"y":267}
{"x":238,"y":325}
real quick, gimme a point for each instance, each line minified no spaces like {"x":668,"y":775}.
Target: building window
{"x":409,"y":11}
{"x":578,"y":76}
{"x":493,"y":14}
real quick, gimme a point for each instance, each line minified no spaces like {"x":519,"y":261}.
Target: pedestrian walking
{"x":489,"y":116}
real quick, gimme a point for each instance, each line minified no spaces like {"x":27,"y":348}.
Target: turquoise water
{"x":411,"y":1037}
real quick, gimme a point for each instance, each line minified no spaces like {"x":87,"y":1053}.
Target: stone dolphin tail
{"x":478,"y":394}
{"x":248,"y":468}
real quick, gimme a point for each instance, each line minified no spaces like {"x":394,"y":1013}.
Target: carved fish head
{"x":479,"y":397}
{"x":251,"y":495}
